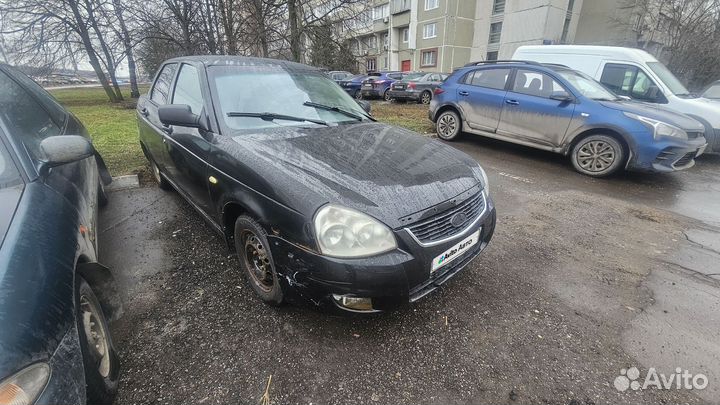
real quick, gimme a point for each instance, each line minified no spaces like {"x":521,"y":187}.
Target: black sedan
{"x":55,"y":346}
{"x":420,"y":89}
{"x":321,"y":203}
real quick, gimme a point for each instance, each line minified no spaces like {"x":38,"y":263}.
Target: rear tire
{"x":386,"y":95}
{"x":162,"y":183}
{"x":256,"y":260}
{"x":102,"y":195}
{"x":101,"y":363}
{"x":425,"y":97}
{"x":448,"y":125}
{"x":358,"y":95}
{"x":598,"y":155}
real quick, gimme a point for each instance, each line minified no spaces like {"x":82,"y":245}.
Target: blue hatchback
{"x":377,"y":84}
{"x":555,"y":108}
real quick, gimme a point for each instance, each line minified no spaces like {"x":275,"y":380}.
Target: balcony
{"x":399,"y":6}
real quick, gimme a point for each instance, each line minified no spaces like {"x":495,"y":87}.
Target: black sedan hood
{"x":657,"y":112}
{"x":384,"y":171}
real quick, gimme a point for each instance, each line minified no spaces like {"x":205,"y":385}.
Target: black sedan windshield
{"x":247,"y":95}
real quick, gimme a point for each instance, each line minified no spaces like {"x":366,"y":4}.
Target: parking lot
{"x":583,"y":278}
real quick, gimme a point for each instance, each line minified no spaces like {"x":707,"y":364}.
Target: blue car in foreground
{"x":555,"y":108}
{"x":55,"y":298}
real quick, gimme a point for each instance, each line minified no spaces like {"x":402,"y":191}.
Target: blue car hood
{"x":656,"y":112}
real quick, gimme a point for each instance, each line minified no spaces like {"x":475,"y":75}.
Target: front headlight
{"x":343,"y":232}
{"x":486,"y":182}
{"x":25,"y":386}
{"x":659,"y":128}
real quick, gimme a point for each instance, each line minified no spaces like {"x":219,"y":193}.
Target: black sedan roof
{"x":231,"y":60}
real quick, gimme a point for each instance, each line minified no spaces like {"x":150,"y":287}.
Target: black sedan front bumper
{"x":389,"y":280}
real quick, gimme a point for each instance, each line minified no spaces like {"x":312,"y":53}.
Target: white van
{"x":633,"y":73}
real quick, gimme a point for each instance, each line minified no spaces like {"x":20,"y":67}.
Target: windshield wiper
{"x":268,"y":116}
{"x":335,"y":109}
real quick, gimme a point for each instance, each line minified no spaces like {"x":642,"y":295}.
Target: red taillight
{"x":438,"y":91}
{"x":411,"y":85}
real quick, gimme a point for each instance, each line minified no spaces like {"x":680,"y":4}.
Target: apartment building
{"x":440,"y":35}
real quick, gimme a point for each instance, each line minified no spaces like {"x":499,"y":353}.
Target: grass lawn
{"x":114,"y":127}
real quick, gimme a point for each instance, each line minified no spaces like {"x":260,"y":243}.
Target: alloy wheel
{"x":447,"y":126}
{"x":425,"y":98}
{"x":596,"y":156}
{"x":95,"y":335}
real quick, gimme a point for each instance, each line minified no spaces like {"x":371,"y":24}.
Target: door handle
{"x":512,"y":102}
{"x":144,"y":112}
{"x":463,"y":93}
{"x":167,"y":129}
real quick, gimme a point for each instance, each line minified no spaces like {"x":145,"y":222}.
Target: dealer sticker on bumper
{"x":455,"y":251}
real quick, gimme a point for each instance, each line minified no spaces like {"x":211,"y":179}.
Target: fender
{"x":570,"y":139}
{"x":103,"y":285}
{"x":711,"y":137}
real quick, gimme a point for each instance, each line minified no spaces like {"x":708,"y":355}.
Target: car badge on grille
{"x":458,"y":219}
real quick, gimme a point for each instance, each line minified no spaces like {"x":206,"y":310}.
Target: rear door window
{"x":161,"y":88}
{"x":25,"y":117}
{"x":535,"y":83}
{"x":490,"y":78}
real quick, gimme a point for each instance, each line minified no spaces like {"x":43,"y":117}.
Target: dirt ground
{"x":583,"y":278}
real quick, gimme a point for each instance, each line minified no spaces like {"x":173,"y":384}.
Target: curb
{"x":123,"y":183}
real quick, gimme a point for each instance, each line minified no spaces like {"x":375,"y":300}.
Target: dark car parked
{"x":418,"y":89}
{"x":352,"y":85}
{"x":339,"y":75}
{"x":321,"y":203}
{"x":55,"y":346}
{"x":377,"y":84}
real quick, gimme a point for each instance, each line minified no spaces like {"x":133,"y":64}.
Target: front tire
{"x":598,"y":156}
{"x":358,"y":95}
{"x":448,"y":125}
{"x":102,"y":366}
{"x":386,"y":95}
{"x":162,"y":183}
{"x":256,"y":260}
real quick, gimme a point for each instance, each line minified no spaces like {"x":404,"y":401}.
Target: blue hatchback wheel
{"x":598,"y":155}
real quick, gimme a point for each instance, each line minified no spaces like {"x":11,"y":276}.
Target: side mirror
{"x":560,"y":96}
{"x":178,"y":114}
{"x":365,"y":105}
{"x":61,"y":149}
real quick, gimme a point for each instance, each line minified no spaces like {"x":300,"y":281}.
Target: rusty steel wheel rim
{"x":257,"y":261}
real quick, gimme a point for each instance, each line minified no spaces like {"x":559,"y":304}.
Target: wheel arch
{"x":617,"y":135}
{"x":102,"y":282}
{"x":447,"y":107}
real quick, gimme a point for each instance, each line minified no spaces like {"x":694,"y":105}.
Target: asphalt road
{"x":583,"y":278}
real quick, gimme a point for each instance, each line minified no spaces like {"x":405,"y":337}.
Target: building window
{"x":495,"y":29}
{"x":430,"y":31}
{"x":431,"y":4}
{"x":498,"y":7}
{"x":429,"y":58}
{"x":492,"y":56}
{"x":386,"y":40}
{"x":380,"y":12}
{"x":371,"y":64}
{"x":372,"y":42}
{"x":385,"y":62}
{"x":405,"y":35}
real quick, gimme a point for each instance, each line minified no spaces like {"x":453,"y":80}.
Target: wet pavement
{"x":583,"y":278}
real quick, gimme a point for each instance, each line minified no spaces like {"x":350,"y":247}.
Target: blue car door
{"x":530,"y":115}
{"x":480,"y":95}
